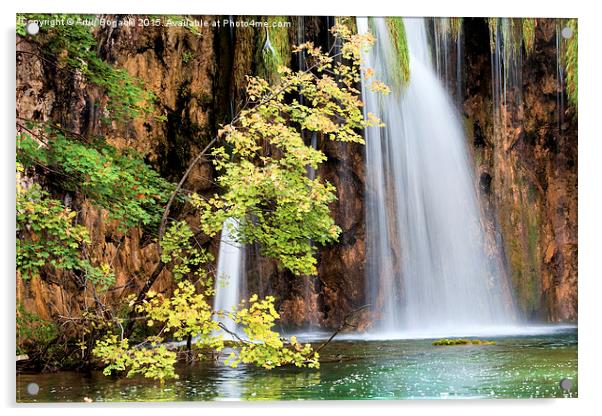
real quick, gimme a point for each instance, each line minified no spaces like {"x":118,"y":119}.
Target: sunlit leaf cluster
{"x":188,"y":314}
{"x":47,"y":235}
{"x":152,"y":361}
{"x":263,"y":164}
{"x":185,"y":257}
{"x":265,"y":347}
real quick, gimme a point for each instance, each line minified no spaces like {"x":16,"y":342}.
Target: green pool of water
{"x":529,"y":366}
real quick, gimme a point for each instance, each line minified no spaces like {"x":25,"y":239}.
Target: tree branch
{"x":234,"y":334}
{"x":161,"y":265}
{"x":141,"y":295}
{"x":165,"y":216}
{"x":341,"y":327}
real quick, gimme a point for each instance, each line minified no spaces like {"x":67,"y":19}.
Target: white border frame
{"x":590,"y":158}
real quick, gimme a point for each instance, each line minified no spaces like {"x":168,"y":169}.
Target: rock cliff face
{"x":526,"y":168}
{"x":526,"y":171}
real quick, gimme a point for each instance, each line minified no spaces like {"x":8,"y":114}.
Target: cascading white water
{"x":447,"y":51}
{"x":427,"y":267}
{"x":228,"y":283}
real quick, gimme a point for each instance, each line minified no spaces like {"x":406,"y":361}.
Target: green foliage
{"x":461,"y":341}
{"x":53,"y":237}
{"x":528,"y":30}
{"x":102,"y":277}
{"x":21,"y":26}
{"x":47,"y":235}
{"x":265,"y":348}
{"x":33,"y":333}
{"x":400,"y":63}
{"x":118,"y":181}
{"x":185,"y":257}
{"x":571,"y":60}
{"x":263,"y":164}
{"x":155,"y":362}
{"x":187,"y":313}
{"x":187,"y":56}
{"x":263,"y":168}
{"x":128,"y":98}
{"x":74,"y":46}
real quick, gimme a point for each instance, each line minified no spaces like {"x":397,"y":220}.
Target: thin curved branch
{"x":342,"y":326}
{"x":234,"y":334}
{"x":165,"y":216}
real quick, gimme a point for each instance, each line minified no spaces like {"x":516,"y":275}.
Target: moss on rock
{"x":571,"y":63}
{"x":274,"y":48}
{"x":397,"y":32}
{"x":461,"y":341}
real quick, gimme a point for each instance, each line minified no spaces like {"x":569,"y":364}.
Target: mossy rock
{"x":401,"y":65}
{"x":461,"y":341}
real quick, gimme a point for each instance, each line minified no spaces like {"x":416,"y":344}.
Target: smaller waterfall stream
{"x":448,"y":58}
{"x":229,"y":279}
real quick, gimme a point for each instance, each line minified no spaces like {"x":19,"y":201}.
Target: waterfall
{"x":506,"y":73}
{"x":447,"y":48}
{"x":230,"y":258}
{"x":229,"y":279}
{"x":428,"y":270}
{"x":560,"y":76}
